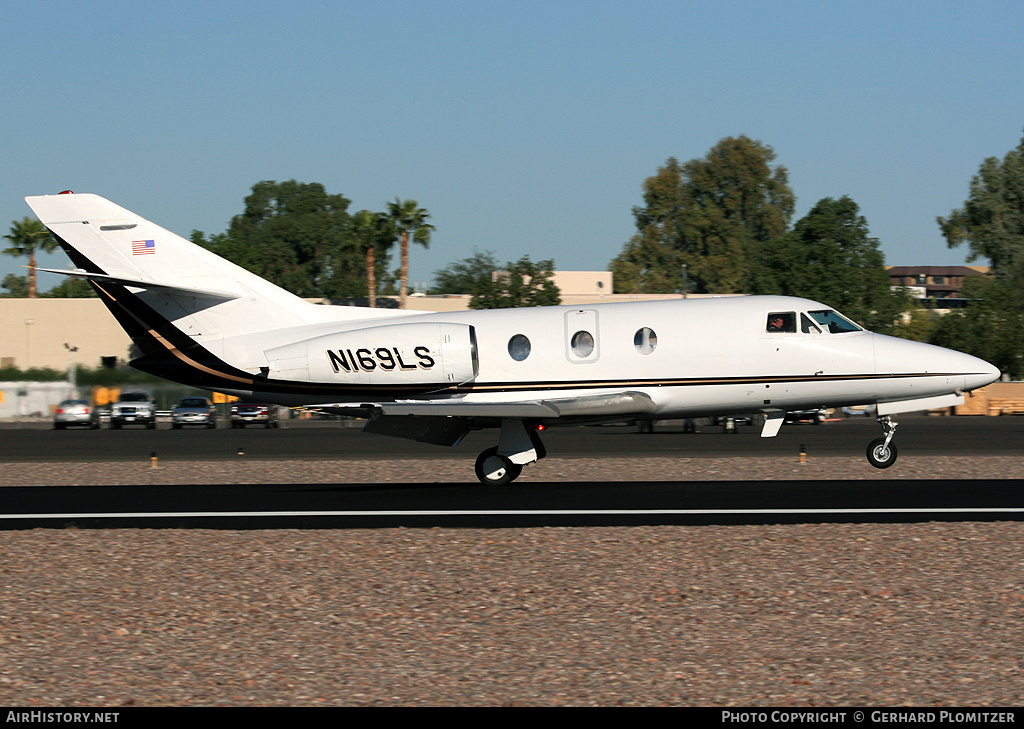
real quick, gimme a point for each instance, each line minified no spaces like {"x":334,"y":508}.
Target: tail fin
{"x":133,"y":261}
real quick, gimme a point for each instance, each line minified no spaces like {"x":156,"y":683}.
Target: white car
{"x":133,"y":408}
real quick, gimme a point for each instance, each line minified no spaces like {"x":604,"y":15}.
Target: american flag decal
{"x":143,"y":247}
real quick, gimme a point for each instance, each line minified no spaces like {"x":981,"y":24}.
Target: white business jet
{"x":200,"y":320}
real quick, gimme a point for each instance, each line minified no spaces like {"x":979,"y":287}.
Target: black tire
{"x":879,"y":456}
{"x":495,"y":470}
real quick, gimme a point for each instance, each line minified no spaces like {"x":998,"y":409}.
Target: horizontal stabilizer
{"x":139,"y":283}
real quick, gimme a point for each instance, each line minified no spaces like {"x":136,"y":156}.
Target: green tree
{"x":916,"y":323}
{"x":523,"y":283}
{"x":17,"y":286}
{"x":291,"y":233}
{"x":830,"y":257}
{"x":27,"y":237}
{"x":374,"y":234}
{"x":72,"y":288}
{"x":714,"y":215}
{"x":465,"y":276}
{"x":991,"y":327}
{"x":409,"y":220}
{"x":991,"y":221}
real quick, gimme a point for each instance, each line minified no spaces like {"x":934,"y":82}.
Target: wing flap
{"x":613,"y":404}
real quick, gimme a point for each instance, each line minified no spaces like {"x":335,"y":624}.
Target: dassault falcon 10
{"x":200,"y":320}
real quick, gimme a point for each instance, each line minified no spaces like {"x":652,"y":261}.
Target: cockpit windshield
{"x":835,"y":322}
{"x":813,"y":322}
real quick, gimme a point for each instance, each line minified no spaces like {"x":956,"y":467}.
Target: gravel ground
{"x":784,"y":615}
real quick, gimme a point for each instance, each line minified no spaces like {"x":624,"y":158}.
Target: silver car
{"x":194,"y":411}
{"x":133,"y":408}
{"x":76,"y":412}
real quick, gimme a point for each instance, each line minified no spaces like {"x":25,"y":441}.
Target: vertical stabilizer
{"x":143,"y":270}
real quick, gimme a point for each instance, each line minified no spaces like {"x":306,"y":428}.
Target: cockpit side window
{"x":807,"y":326}
{"x":781,"y":322}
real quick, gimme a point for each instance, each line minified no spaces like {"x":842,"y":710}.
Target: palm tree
{"x":373,"y":232}
{"x":27,"y":237}
{"x":408,"y":219}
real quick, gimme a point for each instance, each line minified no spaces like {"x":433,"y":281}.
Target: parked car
{"x":243,"y":413}
{"x":76,"y":412}
{"x":816,"y":416}
{"x":133,"y":408}
{"x":194,"y":411}
{"x":865,"y":410}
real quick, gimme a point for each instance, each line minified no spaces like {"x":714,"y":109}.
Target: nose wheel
{"x":881,"y":452}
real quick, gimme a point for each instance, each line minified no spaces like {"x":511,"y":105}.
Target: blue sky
{"x":525,"y":128}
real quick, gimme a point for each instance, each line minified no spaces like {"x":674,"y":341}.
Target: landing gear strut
{"x":518,"y":445}
{"x":881,"y":452}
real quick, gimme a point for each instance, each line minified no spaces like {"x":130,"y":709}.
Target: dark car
{"x":194,"y":411}
{"x":76,"y":412}
{"x":816,"y":416}
{"x":243,"y":413}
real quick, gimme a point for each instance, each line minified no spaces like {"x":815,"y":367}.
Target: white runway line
{"x":516,"y":512}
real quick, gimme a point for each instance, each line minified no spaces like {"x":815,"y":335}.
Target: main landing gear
{"x":518,"y":445}
{"x":881,"y":451}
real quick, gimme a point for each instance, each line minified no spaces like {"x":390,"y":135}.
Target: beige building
{"x":42,"y":333}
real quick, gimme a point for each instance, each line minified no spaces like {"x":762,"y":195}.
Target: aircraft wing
{"x":445,"y":422}
{"x":624,"y":403}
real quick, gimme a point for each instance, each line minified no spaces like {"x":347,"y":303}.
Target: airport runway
{"x":426,"y":501}
{"x":313,"y":440}
{"x":275,"y":506}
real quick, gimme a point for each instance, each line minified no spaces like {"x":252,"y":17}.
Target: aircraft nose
{"x":981,"y":374}
{"x":964,"y":371}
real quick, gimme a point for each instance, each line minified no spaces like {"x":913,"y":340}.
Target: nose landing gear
{"x":881,"y":452}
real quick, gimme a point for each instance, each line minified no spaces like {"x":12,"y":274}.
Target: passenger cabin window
{"x":781,"y":322}
{"x":519,"y":347}
{"x":582,"y":344}
{"x":645,"y":340}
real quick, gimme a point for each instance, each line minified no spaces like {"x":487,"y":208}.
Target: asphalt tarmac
{"x":324,"y":439}
{"x":228,"y":504}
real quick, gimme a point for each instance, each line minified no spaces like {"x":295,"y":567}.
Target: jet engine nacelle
{"x":425,"y":354}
